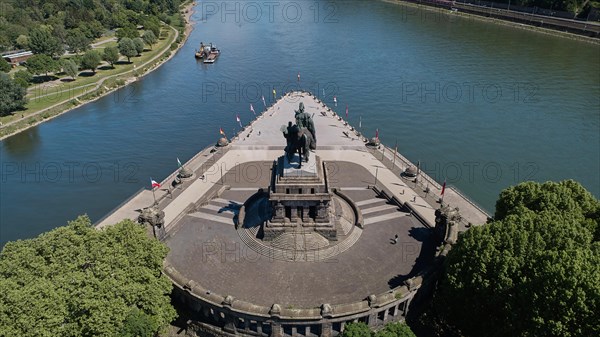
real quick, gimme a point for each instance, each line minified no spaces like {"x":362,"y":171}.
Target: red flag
{"x":377,"y":133}
{"x":443,"y":188}
{"x":221,"y":131}
{"x":154,"y":183}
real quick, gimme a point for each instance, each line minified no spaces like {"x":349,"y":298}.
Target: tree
{"x":12,"y":98}
{"x":91,"y":60}
{"x":149,"y":38}
{"x":41,"y":64}
{"x":23,"y":41}
{"x":70,"y":68}
{"x":111,"y":55}
{"x":23,"y":78}
{"x":533,"y":271}
{"x":127,"y":48}
{"x":4,"y":65}
{"x":77,"y":41}
{"x":359,"y":329}
{"x":395,"y":330}
{"x":42,"y":42}
{"x":128,"y":31}
{"x":80,"y":281}
{"x":139,"y":45}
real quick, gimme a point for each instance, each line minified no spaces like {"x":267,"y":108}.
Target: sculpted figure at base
{"x":298,"y":140}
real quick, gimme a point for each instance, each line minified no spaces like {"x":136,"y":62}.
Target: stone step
{"x":212,"y":217}
{"x":369,"y":201}
{"x":384,"y":207}
{"x":385,"y":217}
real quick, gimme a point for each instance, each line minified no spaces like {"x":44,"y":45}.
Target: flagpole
{"x":154,"y":195}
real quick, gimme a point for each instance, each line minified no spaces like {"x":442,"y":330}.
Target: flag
{"x":237,"y":118}
{"x":179,"y":163}
{"x":252,"y":109}
{"x":443,"y":188}
{"x":274,"y":93}
{"x":346,"y":111}
{"x":154,"y":183}
{"x":377,"y":133}
{"x":335,"y":99}
{"x":221,"y":131}
{"x":264,"y":103}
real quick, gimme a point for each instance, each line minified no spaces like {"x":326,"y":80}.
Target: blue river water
{"x":481,"y":105}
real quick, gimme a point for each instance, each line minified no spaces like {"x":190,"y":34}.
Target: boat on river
{"x":209,"y":53}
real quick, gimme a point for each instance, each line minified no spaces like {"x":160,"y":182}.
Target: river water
{"x":481,"y":105}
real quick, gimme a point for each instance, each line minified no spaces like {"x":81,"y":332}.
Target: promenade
{"x":262,"y":141}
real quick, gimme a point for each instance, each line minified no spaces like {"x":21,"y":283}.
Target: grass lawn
{"x":48,"y":94}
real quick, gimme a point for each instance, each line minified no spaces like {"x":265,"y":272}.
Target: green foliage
{"x":23,"y":78}
{"x":137,"y":324}
{"x":534,"y":271}
{"x":91,"y":60}
{"x":77,"y":41}
{"x":139,"y":45}
{"x":127,"y":48}
{"x":70,"y":68}
{"x":41,"y":64}
{"x":111,"y":55}
{"x":79,"y":281}
{"x":395,"y":330}
{"x":12,"y":97}
{"x":149,"y":38}
{"x":4,"y":65}
{"x":128,"y":31}
{"x":359,"y":329}
{"x":92,"y":17}
{"x":22,"y":42}
{"x":41,"y":41}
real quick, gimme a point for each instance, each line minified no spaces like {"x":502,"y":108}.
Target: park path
{"x":98,"y":84}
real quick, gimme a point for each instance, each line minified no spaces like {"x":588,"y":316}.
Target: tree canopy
{"x":59,"y":18}
{"x":91,"y":60}
{"x":42,"y":64}
{"x":12,"y":95}
{"x":111,"y":55}
{"x":42,"y":41}
{"x":79,"y":281}
{"x":70,"y":68}
{"x":4,"y":66}
{"x":533,"y":271}
{"x":360,"y":329}
{"x":127,"y":48}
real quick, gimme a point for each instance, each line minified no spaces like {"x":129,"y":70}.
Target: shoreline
{"x":493,"y":20}
{"x":188,"y":11}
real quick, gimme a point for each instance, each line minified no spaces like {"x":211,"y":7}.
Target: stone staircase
{"x":312,"y":249}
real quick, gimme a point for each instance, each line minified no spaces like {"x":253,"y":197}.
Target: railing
{"x":99,"y":221}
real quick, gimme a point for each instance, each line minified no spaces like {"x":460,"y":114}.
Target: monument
{"x":299,"y":196}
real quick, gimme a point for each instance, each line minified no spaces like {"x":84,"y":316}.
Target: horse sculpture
{"x":299,"y":140}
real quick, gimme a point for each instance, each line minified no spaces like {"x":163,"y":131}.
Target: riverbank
{"x":488,"y":16}
{"x":79,"y":96}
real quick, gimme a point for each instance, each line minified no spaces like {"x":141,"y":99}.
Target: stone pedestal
{"x":300,"y":199}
